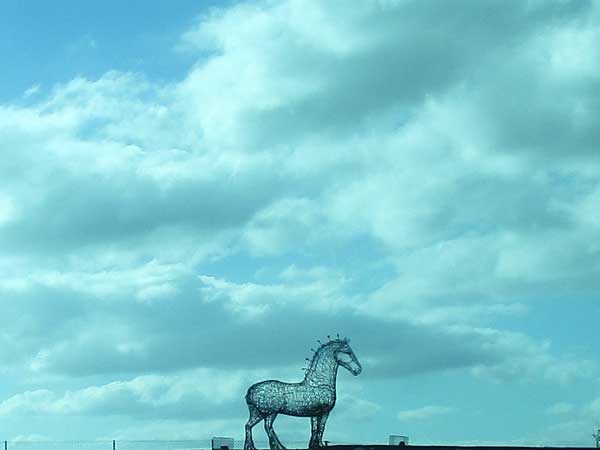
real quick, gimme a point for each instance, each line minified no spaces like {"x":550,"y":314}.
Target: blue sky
{"x":191,"y":196}
{"x":49,"y":43}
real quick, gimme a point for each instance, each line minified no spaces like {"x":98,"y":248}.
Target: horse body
{"x":290,"y":399}
{"x":313,"y":397}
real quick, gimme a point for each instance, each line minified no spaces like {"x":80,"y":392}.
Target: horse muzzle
{"x":356,"y":370}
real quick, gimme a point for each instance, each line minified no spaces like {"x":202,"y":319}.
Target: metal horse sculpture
{"x":313,"y":397}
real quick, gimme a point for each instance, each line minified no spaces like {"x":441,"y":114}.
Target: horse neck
{"x":323,"y":369}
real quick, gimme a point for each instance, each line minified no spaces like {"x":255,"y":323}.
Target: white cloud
{"x":30,"y":438}
{"x":424,"y":413}
{"x":8,"y":210}
{"x":324,"y":292}
{"x":31,"y":91}
{"x":176,"y":430}
{"x":593,"y":408}
{"x":284,"y":224}
{"x":559,"y":409}
{"x":353,"y":168}
{"x":352,"y":408}
{"x":189,"y":394}
{"x":528,"y":360}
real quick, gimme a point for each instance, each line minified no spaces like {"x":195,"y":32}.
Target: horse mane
{"x":322,"y":345}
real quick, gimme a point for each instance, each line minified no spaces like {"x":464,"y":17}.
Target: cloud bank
{"x":411,"y":174}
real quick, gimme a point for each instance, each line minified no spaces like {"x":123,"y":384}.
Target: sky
{"x":192,"y":193}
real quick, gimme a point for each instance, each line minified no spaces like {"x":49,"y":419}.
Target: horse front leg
{"x":274,"y":441}
{"x":314,"y":436}
{"x":317,"y":429}
{"x":321,"y":427}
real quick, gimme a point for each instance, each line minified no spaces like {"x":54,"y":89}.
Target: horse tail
{"x":249,"y":394}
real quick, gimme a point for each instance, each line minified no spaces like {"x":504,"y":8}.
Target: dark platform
{"x":446,"y":447}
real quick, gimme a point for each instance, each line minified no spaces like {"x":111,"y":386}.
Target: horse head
{"x":346,"y":358}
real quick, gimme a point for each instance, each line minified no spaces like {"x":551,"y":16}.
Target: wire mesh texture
{"x":313,"y":397}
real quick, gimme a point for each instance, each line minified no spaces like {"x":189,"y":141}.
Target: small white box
{"x":219,"y":443}
{"x":397,"y":439}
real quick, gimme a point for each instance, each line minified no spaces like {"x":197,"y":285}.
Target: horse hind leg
{"x":255,"y":417}
{"x":274,"y":441}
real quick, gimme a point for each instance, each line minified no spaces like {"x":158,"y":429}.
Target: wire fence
{"x":197,"y":444}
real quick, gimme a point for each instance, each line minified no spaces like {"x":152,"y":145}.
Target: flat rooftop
{"x":448,"y":447}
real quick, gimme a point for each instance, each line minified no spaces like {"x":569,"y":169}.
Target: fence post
{"x":5,"y":445}
{"x":113,"y":445}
